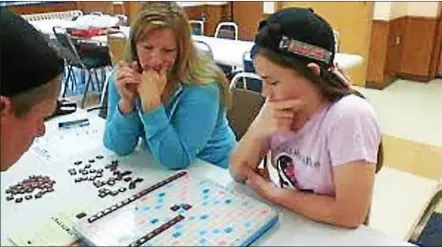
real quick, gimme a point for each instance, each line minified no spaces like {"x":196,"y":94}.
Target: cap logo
{"x":304,"y":49}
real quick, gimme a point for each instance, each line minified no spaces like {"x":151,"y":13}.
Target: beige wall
{"x":382,"y":11}
{"x":390,"y":10}
{"x":398,"y":9}
{"x":268,"y":7}
{"x":428,"y":9}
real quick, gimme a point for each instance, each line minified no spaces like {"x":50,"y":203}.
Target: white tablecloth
{"x":291,"y":229}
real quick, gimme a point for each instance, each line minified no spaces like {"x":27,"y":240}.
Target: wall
{"x":428,"y":9}
{"x":391,"y":10}
{"x":248,"y":23}
{"x":382,"y":11}
{"x":404,"y":42}
{"x":96,"y":6}
{"x":43,"y":7}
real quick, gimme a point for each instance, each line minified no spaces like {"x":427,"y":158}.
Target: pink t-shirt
{"x":337,"y":133}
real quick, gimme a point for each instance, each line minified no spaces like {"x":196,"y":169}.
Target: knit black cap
{"x":27,"y":61}
{"x":298,"y":33}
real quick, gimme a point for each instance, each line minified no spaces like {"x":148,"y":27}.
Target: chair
{"x":122,"y":18}
{"x":64,"y":15}
{"x":246,"y":105}
{"x":244,"y":76}
{"x":204,"y":47}
{"x":197,"y":27}
{"x":96,"y":13}
{"x":116,"y":45}
{"x":252,"y":84}
{"x":227,"y":30}
{"x":88,"y":64}
{"x":102,"y":106}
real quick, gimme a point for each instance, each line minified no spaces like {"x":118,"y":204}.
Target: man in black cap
{"x":30,"y":77}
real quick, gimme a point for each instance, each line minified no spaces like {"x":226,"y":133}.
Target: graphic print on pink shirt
{"x":287,"y":173}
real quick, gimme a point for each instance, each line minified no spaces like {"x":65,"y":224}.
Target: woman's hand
{"x":151,"y":88}
{"x":278,"y":115}
{"x":127,"y":82}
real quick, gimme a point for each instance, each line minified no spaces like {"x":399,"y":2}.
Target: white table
{"x":290,"y":230}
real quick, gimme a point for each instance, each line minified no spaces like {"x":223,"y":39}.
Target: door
{"x":439,"y":69}
{"x":247,"y":15}
{"x":353,"y":21}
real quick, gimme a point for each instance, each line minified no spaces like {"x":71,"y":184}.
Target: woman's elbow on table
{"x":119,"y":150}
{"x":172,"y":163}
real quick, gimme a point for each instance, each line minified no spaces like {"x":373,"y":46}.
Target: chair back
{"x":252,"y":84}
{"x":244,"y":78}
{"x":227,"y":30}
{"x":67,"y":47}
{"x":204,"y":47}
{"x":246,"y":105}
{"x":197,"y":27}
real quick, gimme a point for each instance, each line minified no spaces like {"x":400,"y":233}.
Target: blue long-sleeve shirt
{"x":191,"y":124}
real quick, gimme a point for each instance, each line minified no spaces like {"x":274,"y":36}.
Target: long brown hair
{"x":190,"y":66}
{"x":330,"y":86}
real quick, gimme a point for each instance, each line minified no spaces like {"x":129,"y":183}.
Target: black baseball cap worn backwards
{"x":297,"y":33}
{"x":26,"y":59}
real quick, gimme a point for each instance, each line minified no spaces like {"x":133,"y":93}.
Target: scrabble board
{"x":179,"y":210}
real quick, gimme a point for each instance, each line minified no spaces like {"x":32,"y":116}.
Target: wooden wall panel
{"x":418,"y":43}
{"x":119,"y":8}
{"x":439,"y":69}
{"x":96,"y":6}
{"x":437,"y":53}
{"x":194,"y":12}
{"x":132,"y":9}
{"x":395,"y":41}
{"x":247,"y":15}
{"x":215,"y":14}
{"x":377,"y":58}
{"x":43,"y":7}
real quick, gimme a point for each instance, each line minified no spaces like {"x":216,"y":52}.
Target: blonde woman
{"x":169,"y":95}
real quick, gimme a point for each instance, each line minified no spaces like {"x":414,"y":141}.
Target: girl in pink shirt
{"x":323,"y":138}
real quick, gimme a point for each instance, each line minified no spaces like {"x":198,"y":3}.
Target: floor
{"x":409,"y":110}
{"x":412,"y":111}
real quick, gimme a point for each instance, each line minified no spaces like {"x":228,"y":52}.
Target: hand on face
{"x":152,"y":87}
{"x":127,"y":82}
{"x":274,"y":116}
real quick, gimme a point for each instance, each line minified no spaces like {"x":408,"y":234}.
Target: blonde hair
{"x":191,"y":66}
